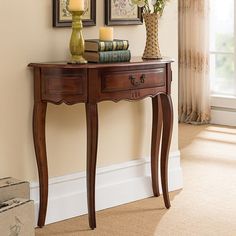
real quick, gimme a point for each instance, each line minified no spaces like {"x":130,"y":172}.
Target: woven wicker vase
{"x":152,"y":50}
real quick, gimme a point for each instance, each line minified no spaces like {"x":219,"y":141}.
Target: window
{"x":222,"y":48}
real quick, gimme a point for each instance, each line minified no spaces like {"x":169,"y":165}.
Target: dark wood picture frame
{"x":57,"y":22}
{"x":124,"y":21}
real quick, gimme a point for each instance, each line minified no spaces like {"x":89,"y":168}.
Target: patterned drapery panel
{"x":194,"y":92}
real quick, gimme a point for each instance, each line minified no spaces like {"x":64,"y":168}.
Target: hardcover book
{"x":109,"y":56}
{"x":96,"y":45}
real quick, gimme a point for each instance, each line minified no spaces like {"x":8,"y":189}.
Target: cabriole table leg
{"x":167,"y":109}
{"x":39,"y":114}
{"x":92,"y":140}
{"x":155,"y":146}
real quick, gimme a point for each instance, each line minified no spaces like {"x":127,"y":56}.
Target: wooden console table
{"x":92,"y":83}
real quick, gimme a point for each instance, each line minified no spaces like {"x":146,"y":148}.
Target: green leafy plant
{"x":151,"y":6}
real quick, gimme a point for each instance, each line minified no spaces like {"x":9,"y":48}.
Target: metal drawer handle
{"x":142,"y":78}
{"x":137,"y":83}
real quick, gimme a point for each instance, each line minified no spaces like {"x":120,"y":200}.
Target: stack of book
{"x":107,"y":51}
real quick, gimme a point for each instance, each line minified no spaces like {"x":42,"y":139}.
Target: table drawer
{"x":128,"y":80}
{"x":64,"y":85}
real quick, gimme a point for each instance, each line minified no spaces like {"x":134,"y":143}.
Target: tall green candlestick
{"x":77,"y":39}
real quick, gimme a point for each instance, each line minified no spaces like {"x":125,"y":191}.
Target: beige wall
{"x":124,"y":128}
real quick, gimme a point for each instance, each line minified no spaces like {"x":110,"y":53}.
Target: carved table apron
{"x":92,"y":83}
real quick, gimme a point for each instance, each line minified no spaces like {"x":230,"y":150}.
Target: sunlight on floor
{"x":205,"y":206}
{"x":217,"y":141}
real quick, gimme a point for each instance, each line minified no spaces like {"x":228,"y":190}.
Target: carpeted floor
{"x":205,"y":207}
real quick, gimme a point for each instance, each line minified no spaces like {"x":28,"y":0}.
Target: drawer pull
{"x":142,"y":78}
{"x":137,"y":83}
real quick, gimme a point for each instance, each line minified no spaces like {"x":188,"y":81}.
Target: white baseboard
{"x":115,"y":185}
{"x":221,"y":116}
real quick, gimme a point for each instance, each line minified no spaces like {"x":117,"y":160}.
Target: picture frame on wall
{"x":62,"y":17}
{"x":122,"y":13}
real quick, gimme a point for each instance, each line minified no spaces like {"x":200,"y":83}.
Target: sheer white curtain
{"x":194,"y":92}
